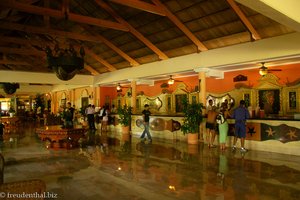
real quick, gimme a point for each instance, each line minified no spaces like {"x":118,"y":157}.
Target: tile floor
{"x":109,"y":167}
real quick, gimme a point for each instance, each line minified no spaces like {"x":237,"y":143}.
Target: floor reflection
{"x":110,"y":166}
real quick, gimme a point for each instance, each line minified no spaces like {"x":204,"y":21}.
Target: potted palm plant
{"x":191,"y":120}
{"x":125,"y":118}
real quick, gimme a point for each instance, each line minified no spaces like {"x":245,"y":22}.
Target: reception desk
{"x":57,"y":137}
{"x":273,"y":135}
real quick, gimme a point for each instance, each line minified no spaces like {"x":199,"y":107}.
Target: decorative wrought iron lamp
{"x":10,"y":88}
{"x":65,"y":62}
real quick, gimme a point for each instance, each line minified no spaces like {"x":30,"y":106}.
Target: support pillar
{"x":202,"y":99}
{"x":94,"y":95}
{"x":133,"y":96}
{"x":202,"y":85}
{"x":73,"y":97}
{"x":101,"y":99}
{"x":53,"y":101}
{"x":30,"y":103}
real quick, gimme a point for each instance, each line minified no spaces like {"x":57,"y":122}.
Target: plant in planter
{"x":125,"y":117}
{"x":192,"y":119}
{"x":11,"y":111}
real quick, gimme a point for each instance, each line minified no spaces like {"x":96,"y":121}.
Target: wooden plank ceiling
{"x":118,"y":34}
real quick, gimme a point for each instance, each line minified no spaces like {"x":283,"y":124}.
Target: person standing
{"x":90,"y":111}
{"x":146,"y":117}
{"x":1,"y":129}
{"x":240,"y":114}
{"x":211,"y":127}
{"x":223,"y":125}
{"x":105,"y":117}
{"x":210,"y":105}
{"x":67,"y":117}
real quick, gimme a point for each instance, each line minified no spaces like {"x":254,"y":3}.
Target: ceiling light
{"x":171,"y":81}
{"x":119,"y":87}
{"x":263,"y":70}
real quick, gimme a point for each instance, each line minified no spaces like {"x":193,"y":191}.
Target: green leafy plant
{"x":125,"y":115}
{"x":82,"y":111}
{"x":39,"y":102}
{"x":192,"y":116}
{"x":11,"y":110}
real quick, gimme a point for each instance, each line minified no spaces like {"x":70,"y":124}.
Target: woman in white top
{"x":104,"y":120}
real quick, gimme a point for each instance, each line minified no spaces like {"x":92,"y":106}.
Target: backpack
{"x":220,"y":118}
{"x":104,"y":113}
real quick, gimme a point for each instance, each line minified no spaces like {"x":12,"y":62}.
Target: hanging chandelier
{"x":66,"y":63}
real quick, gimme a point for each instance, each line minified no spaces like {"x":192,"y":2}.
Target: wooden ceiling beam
{"x":101,"y":60}
{"x":163,"y":11}
{"x":47,"y":31}
{"x":8,"y":67}
{"x":21,"y":51}
{"x":46,"y":17}
{"x":132,"y":61}
{"x":13,"y":62}
{"x":181,"y":26}
{"x":35,"y":42}
{"x":19,"y":40}
{"x":244,"y":19}
{"x":91,"y":69}
{"x":60,"y":15}
{"x":132,"y":30}
{"x":141,"y":6}
{"x":63,"y":34}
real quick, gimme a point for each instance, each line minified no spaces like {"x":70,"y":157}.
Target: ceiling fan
{"x":171,"y":81}
{"x":263,"y":70}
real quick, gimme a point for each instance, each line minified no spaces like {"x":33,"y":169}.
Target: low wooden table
{"x":59,"y":137}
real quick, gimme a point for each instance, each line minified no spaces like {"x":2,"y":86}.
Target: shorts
{"x":240,"y":130}
{"x":211,"y":126}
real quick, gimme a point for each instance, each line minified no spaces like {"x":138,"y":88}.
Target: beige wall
{"x":74,"y":96}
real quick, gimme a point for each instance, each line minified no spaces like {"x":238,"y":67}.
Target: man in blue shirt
{"x":240,"y":115}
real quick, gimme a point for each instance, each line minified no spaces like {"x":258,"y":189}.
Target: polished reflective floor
{"x":108,"y":167}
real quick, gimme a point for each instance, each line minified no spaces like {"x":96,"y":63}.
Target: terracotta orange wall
{"x":289,"y":73}
{"x":111,"y":92}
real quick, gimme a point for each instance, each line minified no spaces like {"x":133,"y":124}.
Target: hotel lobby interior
{"x":157,"y":52}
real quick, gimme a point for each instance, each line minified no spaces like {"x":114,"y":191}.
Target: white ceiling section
{"x":43,"y":78}
{"x":285,"y":12}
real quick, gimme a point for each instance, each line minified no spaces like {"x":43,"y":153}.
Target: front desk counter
{"x":268,"y":134}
